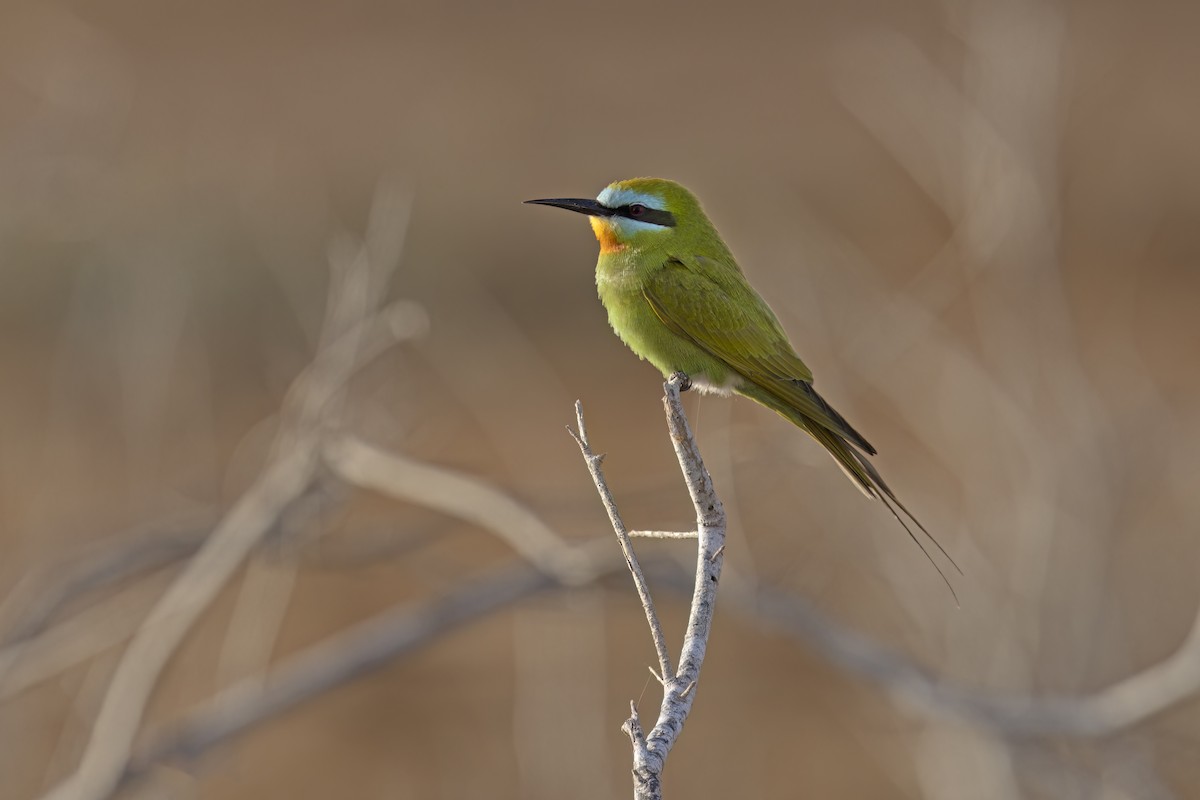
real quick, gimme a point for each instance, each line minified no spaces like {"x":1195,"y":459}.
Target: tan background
{"x":977,"y":220}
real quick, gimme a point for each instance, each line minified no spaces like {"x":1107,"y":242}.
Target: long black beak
{"x":589,"y":207}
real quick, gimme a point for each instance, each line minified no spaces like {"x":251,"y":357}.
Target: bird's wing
{"x":714,"y":307}
{"x":725,"y":317}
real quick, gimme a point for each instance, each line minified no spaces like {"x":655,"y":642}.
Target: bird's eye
{"x":636,"y":210}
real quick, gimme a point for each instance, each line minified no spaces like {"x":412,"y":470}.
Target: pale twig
{"x":710,"y":525}
{"x":614,"y":517}
{"x":650,"y":751}
{"x":663,"y":534}
{"x":647,"y":782}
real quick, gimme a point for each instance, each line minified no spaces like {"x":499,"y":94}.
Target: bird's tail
{"x":855,"y":464}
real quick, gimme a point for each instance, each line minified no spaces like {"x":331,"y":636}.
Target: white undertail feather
{"x":724,"y":389}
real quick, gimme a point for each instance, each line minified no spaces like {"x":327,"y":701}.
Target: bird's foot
{"x":682,"y":379}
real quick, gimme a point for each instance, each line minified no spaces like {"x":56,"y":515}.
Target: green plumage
{"x":681,"y":302}
{"x":676,"y":296}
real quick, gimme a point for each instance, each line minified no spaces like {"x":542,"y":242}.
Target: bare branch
{"x":663,"y":534}
{"x":645,"y":778}
{"x":643,"y":589}
{"x":710,"y":525}
{"x":650,"y":752}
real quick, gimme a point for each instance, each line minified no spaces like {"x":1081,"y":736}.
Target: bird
{"x":677,"y":298}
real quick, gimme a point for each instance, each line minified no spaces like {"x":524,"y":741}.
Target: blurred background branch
{"x":354,"y":289}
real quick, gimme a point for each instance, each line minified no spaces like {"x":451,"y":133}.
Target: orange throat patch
{"x":606,"y":234}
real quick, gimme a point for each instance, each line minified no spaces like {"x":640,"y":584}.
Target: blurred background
{"x":977,"y":221}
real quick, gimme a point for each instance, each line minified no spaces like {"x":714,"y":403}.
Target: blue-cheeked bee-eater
{"x":678,"y":299}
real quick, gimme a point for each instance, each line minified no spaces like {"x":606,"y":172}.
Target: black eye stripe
{"x":654,"y":216}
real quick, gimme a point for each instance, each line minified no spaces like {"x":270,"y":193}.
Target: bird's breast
{"x":616,"y":271}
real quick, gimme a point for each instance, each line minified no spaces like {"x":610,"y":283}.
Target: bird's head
{"x":638,"y":212}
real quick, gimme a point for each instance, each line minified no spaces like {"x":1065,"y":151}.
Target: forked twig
{"x":614,"y":517}
{"x":650,"y":750}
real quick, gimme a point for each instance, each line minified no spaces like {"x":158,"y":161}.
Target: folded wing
{"x":717,"y":310}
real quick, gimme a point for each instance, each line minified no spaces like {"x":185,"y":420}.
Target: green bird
{"x":676,"y":296}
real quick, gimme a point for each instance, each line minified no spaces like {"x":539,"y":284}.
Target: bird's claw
{"x":682,"y":379}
